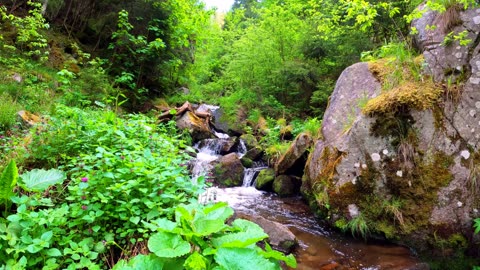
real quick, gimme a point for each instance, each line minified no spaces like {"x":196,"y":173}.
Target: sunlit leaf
{"x":40,"y":180}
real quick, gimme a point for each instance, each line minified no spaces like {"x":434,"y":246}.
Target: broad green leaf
{"x":211,"y":219}
{"x":46,"y":236}
{"x":53,"y":252}
{"x":167,"y":245}
{"x":135,"y":220}
{"x":219,"y":210}
{"x":40,"y":180}
{"x":250,"y":234}
{"x":243,"y":259}
{"x":164,"y":225}
{"x":269,"y":253}
{"x":195,"y":262}
{"x":8,"y":179}
{"x":141,"y":262}
{"x":32,"y":248}
{"x":183,"y":212}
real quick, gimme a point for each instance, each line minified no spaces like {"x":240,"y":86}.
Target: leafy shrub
{"x":8,"y":111}
{"x":29,"y":38}
{"x":200,"y":239}
{"x":121,"y":171}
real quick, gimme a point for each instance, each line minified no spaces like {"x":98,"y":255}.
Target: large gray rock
{"x":411,"y":174}
{"x":346,"y":101}
{"x":294,"y":159}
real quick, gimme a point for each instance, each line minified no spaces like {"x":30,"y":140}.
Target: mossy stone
{"x":246,"y":162}
{"x":265,"y":179}
{"x":285,"y":185}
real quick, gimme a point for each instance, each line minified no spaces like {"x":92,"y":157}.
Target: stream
{"x":318,"y":246}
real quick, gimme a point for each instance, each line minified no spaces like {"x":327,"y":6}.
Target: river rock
{"x":196,"y":126}
{"x":254,"y":150}
{"x":247,"y":163}
{"x":418,"y":166}
{"x":228,"y":171}
{"x":265,"y":179}
{"x":294,"y":159}
{"x":286,"y":185}
{"x":280,"y":237}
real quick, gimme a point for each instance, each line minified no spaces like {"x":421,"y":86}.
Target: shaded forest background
{"x":271,"y":57}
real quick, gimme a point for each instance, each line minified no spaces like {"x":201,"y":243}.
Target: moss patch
{"x":415,"y":95}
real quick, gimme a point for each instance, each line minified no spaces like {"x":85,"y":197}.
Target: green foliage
{"x":476,"y":225}
{"x":461,"y":38}
{"x":358,"y":226}
{"x":121,"y":171}
{"x":8,"y":180}
{"x":8,"y":111}
{"x":29,"y":37}
{"x":199,"y":238}
{"x":39,"y":180}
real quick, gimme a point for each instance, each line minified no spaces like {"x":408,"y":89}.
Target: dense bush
{"x":121,"y":171}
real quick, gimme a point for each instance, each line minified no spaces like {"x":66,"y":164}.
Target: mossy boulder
{"x":265,"y":179}
{"x":247,"y":163}
{"x":254,"y":150}
{"x":402,"y":159}
{"x":228,"y":171}
{"x":286,"y":185}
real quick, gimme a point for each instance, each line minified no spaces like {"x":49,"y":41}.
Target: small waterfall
{"x":251,"y":174}
{"x":207,"y":153}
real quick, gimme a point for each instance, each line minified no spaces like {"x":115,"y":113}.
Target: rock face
{"x":229,"y":171}
{"x":409,"y":174}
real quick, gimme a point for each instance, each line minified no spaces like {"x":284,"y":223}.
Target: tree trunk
{"x":44,"y":7}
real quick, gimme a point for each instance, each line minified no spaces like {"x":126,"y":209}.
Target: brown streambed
{"x":319,"y":247}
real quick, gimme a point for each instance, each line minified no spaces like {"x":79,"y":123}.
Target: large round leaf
{"x":168,"y":245}
{"x":40,"y":180}
{"x":243,"y":259}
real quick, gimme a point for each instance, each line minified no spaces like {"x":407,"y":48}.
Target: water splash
{"x":250,"y":176}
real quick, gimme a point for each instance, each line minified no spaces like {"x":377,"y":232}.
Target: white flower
{"x":385,"y":151}
{"x":356,"y":165}
{"x":353,"y":210}
{"x":465,"y":154}
{"x":459,"y":204}
{"x":399,"y":173}
{"x":364,"y":166}
{"x":375,"y":156}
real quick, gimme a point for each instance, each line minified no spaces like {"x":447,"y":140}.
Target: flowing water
{"x":319,"y":247}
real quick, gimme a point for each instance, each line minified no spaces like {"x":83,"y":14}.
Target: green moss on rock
{"x":265,"y":179}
